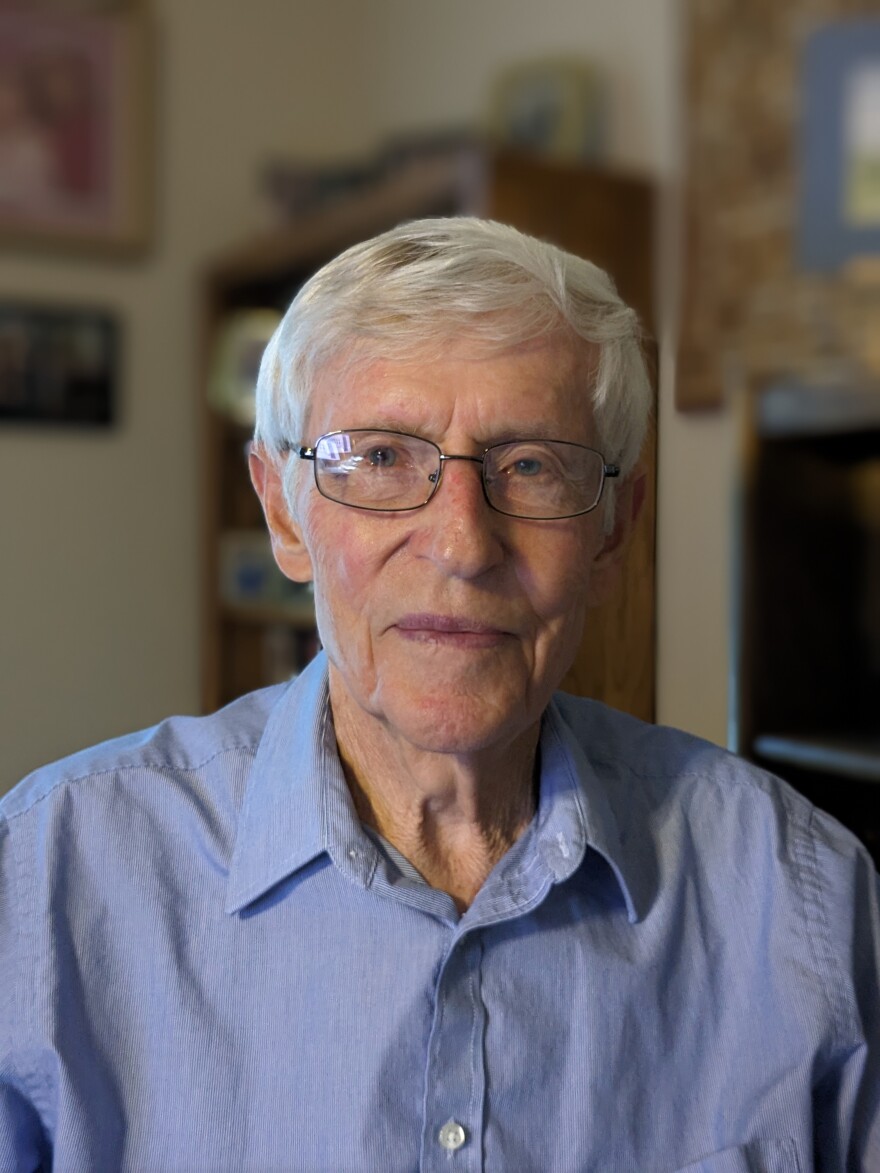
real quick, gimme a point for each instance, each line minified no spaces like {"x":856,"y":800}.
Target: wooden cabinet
{"x":250,"y":640}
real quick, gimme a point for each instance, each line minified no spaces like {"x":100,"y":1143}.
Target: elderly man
{"x":413,"y":910}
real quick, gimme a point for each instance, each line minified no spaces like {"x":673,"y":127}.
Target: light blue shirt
{"x":207,"y":964}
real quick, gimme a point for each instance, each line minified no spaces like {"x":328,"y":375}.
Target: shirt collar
{"x":297,"y":803}
{"x":575,"y":796}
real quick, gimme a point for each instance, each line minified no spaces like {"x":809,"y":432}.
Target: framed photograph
{"x":74,"y":131}
{"x":839,"y":219}
{"x":58,"y":365}
{"x":554,"y":107}
{"x":238,"y":349}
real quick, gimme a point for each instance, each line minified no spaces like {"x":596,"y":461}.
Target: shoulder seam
{"x":754,"y":778}
{"x":127,"y":766}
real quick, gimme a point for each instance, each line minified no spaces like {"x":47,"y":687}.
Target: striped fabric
{"x":207,"y":964}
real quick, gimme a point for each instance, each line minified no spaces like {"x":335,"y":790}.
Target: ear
{"x":288,"y":546}
{"x":606,"y":567}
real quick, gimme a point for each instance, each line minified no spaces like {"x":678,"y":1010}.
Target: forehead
{"x":542,"y":386}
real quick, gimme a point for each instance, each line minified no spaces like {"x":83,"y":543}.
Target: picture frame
{"x":59,"y":365}
{"x":74,"y":128}
{"x":236,"y":354}
{"x":839,"y":216}
{"x":554,"y":106}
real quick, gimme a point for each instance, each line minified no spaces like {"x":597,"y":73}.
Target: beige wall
{"x":98,"y":589}
{"x":431,"y":63}
{"x":98,"y":592}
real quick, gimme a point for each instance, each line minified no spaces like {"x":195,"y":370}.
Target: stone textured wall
{"x":749,"y":313}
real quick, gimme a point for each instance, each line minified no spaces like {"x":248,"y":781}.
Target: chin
{"x":458,"y":725}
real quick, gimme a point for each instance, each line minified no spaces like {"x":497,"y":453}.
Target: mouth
{"x":450,"y":630}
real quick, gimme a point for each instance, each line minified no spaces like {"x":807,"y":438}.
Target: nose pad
{"x":434,"y":477}
{"x":437,"y":477}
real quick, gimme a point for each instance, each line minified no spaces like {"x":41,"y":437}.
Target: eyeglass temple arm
{"x":302,"y":450}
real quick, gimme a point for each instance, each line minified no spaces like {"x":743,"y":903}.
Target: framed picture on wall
{"x":554,"y":106}
{"x":840,"y":146}
{"x":58,"y":365}
{"x":74,"y":128}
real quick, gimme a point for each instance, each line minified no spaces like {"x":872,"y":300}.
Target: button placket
{"x":455,"y":1076}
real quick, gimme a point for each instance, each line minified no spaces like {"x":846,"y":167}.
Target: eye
{"x":381,"y":457}
{"x":526,"y":466}
{"x":524,"y":462}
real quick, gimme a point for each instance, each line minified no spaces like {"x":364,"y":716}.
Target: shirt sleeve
{"x":23,"y":1147}
{"x":848,"y":920}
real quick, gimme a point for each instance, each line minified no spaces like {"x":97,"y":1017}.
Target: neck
{"x":453,"y":816}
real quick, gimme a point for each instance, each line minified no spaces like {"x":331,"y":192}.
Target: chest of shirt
{"x":333,"y":1027}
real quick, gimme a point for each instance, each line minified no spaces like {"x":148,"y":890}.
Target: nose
{"x":457,"y":529}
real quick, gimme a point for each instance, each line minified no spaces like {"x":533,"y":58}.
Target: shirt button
{"x":452,"y":1136}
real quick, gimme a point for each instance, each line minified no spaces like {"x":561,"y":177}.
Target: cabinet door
{"x":608,"y":220}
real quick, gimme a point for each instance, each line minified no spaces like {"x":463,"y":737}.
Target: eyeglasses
{"x":392,"y":472}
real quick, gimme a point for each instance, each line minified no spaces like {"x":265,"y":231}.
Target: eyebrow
{"x":538,"y":431}
{"x":393,"y":423}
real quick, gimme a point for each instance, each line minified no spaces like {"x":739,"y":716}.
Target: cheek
{"x":346,"y":568}
{"x":557,"y":574}
{"x":338,"y":572}
{"x":339,"y":605}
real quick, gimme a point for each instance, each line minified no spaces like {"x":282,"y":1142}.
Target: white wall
{"x":99,"y":584}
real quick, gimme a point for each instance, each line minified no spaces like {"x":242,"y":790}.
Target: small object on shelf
{"x":292,"y":189}
{"x":410,"y":150}
{"x":555,"y":106}
{"x":246,"y":566}
{"x":286,"y":651}
{"x":249,"y":575}
{"x":239,"y":347}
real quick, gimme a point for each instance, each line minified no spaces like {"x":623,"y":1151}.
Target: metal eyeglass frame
{"x":310,"y":452}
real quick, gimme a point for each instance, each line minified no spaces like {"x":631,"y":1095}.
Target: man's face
{"x":451,"y":624}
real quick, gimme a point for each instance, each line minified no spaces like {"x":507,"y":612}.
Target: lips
{"x":453,"y":630}
{"x":431,"y":622}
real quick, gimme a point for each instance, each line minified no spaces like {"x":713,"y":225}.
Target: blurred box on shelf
{"x":286,"y":651}
{"x":556,"y":106}
{"x":248,"y":573}
{"x":235,"y":363}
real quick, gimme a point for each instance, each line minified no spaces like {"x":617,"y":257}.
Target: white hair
{"x":427,"y":281}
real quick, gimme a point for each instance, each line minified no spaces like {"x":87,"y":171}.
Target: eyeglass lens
{"x":392,"y":471}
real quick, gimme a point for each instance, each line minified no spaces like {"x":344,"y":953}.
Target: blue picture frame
{"x":829,"y":235}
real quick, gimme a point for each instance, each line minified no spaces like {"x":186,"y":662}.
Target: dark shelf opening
{"x":809,"y":687}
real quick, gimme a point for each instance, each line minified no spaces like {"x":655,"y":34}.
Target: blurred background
{"x":169,"y":170}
